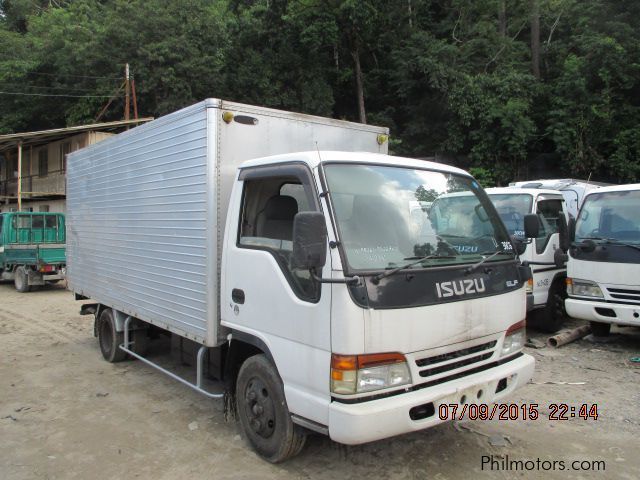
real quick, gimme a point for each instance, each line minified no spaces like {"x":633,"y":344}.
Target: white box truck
{"x":573,"y":190}
{"x":603,"y":273}
{"x":305,"y":279}
{"x":546,"y":290}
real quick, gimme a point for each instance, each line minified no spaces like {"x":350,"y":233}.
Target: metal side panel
{"x":137,"y":222}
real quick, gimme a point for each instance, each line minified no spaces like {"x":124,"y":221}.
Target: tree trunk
{"x":355,"y":53}
{"x":502,"y":18}
{"x":535,"y":38}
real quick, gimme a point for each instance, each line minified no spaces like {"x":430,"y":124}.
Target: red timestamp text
{"x":513,"y":411}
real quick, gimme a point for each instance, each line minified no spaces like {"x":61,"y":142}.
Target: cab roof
{"x":615,"y":188}
{"x":314,"y":158}
{"x":522,"y":191}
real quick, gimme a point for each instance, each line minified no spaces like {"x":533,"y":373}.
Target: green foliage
{"x":484,"y":176}
{"x":451,"y":78}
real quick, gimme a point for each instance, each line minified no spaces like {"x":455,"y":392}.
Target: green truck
{"x":32,"y":248}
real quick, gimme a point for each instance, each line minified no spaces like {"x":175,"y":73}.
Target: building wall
{"x":39,"y":178}
{"x":57,"y":205}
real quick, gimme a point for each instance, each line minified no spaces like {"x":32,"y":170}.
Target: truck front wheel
{"x":21,"y":280}
{"x":551,"y":318}
{"x":109,"y":338}
{"x":263,"y":412}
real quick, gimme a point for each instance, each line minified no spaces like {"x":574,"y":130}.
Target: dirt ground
{"x":65,"y":413}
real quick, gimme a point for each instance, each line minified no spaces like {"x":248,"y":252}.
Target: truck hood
{"x":409,"y":330}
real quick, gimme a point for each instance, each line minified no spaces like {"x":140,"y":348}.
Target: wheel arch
{"x":242,"y":345}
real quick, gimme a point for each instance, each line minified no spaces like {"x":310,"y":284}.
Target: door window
{"x":269,"y":205}
{"x":549,"y":212}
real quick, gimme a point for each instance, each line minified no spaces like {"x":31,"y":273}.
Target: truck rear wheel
{"x":110,"y":339}
{"x":263,"y":412}
{"x":21,"y":280}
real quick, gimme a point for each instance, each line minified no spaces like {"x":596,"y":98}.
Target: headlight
{"x":365,"y":373}
{"x":583,"y":288}
{"x":514,"y":339}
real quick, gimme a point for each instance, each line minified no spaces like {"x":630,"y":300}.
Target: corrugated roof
{"x":11,"y":141}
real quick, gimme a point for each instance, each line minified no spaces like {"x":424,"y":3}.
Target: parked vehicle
{"x":307,"y":282}
{"x":572,"y":190}
{"x":546,"y":290}
{"x":32,"y":250}
{"x":603,"y":282}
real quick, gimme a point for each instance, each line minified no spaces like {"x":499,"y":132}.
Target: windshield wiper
{"x":376,"y":279}
{"x":612,"y":241}
{"x":484,"y":259}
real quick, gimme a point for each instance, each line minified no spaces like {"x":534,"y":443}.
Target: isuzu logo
{"x":460,"y":287}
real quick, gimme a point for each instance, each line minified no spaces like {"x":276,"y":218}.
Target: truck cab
{"x":32,"y":248}
{"x":546,"y":289}
{"x":401,"y":314}
{"x":602,"y":283}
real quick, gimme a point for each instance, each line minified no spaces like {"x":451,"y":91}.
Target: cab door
{"x":264,"y":297}
{"x":549,"y":209}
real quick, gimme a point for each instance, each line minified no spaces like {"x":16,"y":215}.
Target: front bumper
{"x":352,"y":424}
{"x":616,"y":313}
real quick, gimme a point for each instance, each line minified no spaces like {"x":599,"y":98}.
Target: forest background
{"x":510,"y":89}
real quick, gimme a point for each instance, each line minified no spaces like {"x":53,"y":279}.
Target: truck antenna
{"x":318,"y":150}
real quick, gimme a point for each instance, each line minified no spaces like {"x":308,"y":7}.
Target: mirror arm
{"x":347,"y":280}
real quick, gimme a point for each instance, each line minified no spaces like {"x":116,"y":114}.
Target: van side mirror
{"x":519,"y":245}
{"x":560,"y":258}
{"x":309,"y":241}
{"x":531,"y":225}
{"x":563,"y":232}
{"x":572,"y":229}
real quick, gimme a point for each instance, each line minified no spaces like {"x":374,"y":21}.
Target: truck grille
{"x":447,"y":362}
{"x":625,"y":294}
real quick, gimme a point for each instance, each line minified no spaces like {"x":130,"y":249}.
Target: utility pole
{"x":127,"y":90}
{"x":135,"y":100}
{"x":20,"y":176}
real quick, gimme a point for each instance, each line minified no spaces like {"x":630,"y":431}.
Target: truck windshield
{"x":612,"y":216}
{"x":512,"y":207}
{"x":388,"y":216}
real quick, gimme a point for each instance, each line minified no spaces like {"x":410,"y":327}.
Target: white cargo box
{"x":146,"y":208}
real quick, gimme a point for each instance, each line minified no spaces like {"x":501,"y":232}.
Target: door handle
{"x":237,"y":295}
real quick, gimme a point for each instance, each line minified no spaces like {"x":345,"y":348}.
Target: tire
{"x":109,"y":339}
{"x":140,"y":340}
{"x":21,"y":280}
{"x":264,"y":416}
{"x":552,"y":317}
{"x":599,"y":329}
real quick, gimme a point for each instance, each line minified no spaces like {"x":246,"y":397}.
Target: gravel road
{"x":65,"y":413}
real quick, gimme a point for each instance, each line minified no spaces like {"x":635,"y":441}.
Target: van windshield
{"x":610,"y":216}
{"x":512,"y":207}
{"x":387,"y":216}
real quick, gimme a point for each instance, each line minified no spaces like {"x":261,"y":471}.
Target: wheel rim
{"x":259,"y":408}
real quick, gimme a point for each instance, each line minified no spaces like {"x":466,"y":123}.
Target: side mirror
{"x":519,"y":245}
{"x":531,"y":225}
{"x":563,"y":232}
{"x":560,"y":257}
{"x":309,"y":241}
{"x":572,"y":229}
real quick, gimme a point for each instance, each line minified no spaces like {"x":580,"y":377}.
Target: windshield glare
{"x":512,"y":207}
{"x":388,"y":216}
{"x":610,"y":215}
